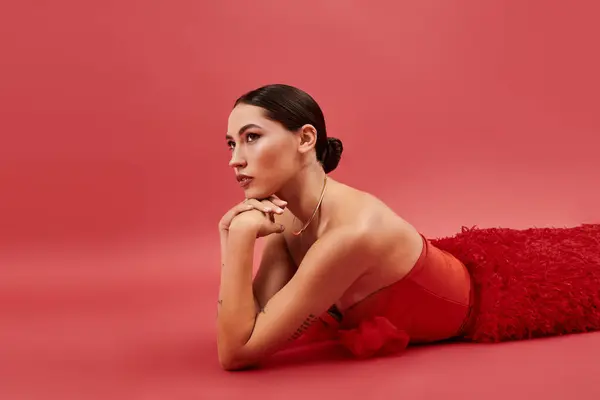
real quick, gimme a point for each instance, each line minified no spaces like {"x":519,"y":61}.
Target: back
{"x":393,"y":243}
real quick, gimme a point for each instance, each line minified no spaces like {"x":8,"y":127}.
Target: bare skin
{"x":355,"y":245}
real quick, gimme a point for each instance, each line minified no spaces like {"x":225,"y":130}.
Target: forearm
{"x":223,"y":238}
{"x":223,"y":235}
{"x":237,"y":312}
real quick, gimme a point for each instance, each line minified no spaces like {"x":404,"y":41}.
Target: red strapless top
{"x":431,"y":303}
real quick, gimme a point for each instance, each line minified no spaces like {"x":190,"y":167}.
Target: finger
{"x":235,"y":211}
{"x":277,"y":201}
{"x":271,"y":228}
{"x":272,"y":207}
{"x":265,"y":206}
{"x":278,"y":228}
{"x":240,"y":208}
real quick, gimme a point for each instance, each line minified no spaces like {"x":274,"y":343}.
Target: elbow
{"x":229,"y":365}
{"x":233,"y":364}
{"x":227,"y":361}
{"x":234,"y":354}
{"x":232,"y":361}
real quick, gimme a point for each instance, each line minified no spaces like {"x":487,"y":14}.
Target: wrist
{"x":241,"y":227}
{"x":240,"y":247}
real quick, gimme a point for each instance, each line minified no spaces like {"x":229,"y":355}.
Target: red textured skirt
{"x":483,"y":285}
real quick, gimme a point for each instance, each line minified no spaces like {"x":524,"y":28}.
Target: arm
{"x":245,"y":337}
{"x":275,"y":270}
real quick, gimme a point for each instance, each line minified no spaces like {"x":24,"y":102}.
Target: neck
{"x":303,"y":192}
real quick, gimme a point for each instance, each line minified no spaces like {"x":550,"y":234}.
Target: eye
{"x":251,"y":137}
{"x":230,"y":144}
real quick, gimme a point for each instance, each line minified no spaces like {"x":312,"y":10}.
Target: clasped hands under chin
{"x":254,"y":216}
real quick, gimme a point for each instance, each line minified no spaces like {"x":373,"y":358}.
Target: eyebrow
{"x":242,"y":130}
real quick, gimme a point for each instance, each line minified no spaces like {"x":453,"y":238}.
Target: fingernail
{"x":279,"y":210}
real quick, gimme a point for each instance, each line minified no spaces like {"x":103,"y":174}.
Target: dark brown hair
{"x":294,"y":108}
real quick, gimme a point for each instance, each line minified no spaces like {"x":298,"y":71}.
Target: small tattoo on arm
{"x":304,"y":327}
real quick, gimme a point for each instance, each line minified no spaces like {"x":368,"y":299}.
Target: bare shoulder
{"x":380,"y":229}
{"x":388,"y":244}
{"x":353,"y":221}
{"x":365,"y":213}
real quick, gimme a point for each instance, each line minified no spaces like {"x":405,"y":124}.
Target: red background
{"x":113,"y":165}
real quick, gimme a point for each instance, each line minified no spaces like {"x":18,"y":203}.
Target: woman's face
{"x":264,"y":155}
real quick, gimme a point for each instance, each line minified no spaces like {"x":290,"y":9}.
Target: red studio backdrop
{"x":113,"y":163}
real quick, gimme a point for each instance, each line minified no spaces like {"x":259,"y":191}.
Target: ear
{"x":308,"y":138}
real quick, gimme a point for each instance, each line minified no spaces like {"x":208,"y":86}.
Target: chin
{"x":252,"y":193}
{"x":257,"y":193}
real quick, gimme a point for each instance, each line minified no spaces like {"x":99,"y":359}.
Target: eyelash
{"x":250,"y":135}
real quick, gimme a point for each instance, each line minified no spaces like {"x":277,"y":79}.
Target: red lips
{"x":244,"y":180}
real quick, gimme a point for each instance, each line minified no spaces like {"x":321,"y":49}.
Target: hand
{"x":257,"y":223}
{"x":270,"y":206}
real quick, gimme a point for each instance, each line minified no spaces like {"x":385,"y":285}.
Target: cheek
{"x":267,"y":157}
{"x":274,"y":157}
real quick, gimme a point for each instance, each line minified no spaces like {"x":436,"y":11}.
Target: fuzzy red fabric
{"x":530,"y":283}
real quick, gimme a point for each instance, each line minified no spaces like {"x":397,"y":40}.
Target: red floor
{"x":140,"y":325}
{"x":112,"y":124}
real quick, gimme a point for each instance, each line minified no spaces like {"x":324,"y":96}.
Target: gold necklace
{"x":314,"y":212}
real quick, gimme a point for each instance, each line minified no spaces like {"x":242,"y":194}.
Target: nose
{"x":237,"y":159}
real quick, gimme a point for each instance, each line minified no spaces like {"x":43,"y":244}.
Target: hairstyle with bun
{"x":294,"y":108}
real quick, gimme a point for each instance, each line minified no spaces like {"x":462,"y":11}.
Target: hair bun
{"x":334,"y":153}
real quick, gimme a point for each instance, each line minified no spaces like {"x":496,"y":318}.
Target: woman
{"x":336,"y":260}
